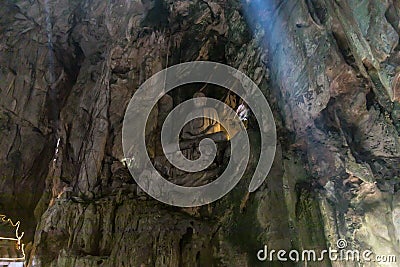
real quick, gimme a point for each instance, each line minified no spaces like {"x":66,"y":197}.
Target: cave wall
{"x":334,"y":68}
{"x":328,"y":69}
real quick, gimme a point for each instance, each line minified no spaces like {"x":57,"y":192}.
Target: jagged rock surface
{"x":329,"y":69}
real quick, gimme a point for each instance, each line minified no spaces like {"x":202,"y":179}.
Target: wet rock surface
{"x":329,"y":69}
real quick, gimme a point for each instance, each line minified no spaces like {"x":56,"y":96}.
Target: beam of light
{"x":264,"y":16}
{"x":269,"y":20}
{"x":298,"y":52}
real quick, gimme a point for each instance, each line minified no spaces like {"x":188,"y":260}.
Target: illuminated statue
{"x":207,"y":124}
{"x":242,"y":111}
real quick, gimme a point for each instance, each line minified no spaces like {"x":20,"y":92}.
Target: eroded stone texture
{"x":334,"y":68}
{"x":330,"y":70}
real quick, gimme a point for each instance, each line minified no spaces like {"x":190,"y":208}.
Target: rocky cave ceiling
{"x":329,"y":69}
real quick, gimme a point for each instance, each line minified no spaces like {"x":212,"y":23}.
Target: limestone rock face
{"x":329,"y":69}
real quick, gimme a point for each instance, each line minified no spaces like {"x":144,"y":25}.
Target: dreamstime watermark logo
{"x":140,"y":108}
{"x":340,"y":253}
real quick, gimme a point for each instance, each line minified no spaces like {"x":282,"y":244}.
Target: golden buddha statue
{"x":205,"y":125}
